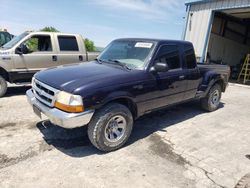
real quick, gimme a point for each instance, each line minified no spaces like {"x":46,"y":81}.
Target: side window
{"x":39,"y":43}
{"x":68,"y":43}
{"x":169,"y":54}
{"x":189,"y":56}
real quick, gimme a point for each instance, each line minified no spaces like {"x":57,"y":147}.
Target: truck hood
{"x":76,"y":78}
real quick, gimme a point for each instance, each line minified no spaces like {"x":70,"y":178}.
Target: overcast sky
{"x":99,"y":20}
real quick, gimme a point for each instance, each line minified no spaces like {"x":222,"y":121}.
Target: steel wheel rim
{"x":216,"y":97}
{"x":115,"y":128}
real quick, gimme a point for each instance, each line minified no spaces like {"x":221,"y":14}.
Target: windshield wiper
{"x":117,"y":62}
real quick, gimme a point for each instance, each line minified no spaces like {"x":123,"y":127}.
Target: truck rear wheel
{"x":212,"y":101}
{"x":3,"y":86}
{"x":110,"y":127}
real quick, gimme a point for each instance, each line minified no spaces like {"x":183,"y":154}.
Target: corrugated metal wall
{"x":200,"y":18}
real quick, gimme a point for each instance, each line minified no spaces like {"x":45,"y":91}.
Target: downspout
{"x":211,"y":19}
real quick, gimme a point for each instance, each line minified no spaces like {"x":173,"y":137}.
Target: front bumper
{"x":58,"y":117}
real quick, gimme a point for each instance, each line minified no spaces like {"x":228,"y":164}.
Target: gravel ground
{"x":179,"y":147}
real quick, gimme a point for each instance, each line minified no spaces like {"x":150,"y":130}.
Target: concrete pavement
{"x":179,"y":147}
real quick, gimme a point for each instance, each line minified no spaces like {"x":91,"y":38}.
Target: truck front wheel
{"x":212,"y":101}
{"x":3,"y":86}
{"x":110,"y":127}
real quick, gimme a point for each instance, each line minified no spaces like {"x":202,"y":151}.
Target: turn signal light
{"x":68,"y":108}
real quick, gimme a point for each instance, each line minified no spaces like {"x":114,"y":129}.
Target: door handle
{"x":54,"y":58}
{"x":80,"y":58}
{"x":181,"y":77}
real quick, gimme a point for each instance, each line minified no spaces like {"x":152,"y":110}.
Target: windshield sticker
{"x":143,"y":45}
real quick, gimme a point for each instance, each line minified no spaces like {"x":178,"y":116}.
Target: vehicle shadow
{"x":75,"y":142}
{"x":16,"y":90}
{"x":160,"y":120}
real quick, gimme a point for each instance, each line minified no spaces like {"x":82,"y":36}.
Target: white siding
{"x":199,"y":23}
{"x":197,"y":28}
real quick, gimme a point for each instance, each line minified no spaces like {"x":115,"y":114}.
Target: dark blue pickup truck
{"x":131,"y":77}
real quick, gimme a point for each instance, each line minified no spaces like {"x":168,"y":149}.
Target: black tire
{"x":3,"y":86}
{"x":208,"y":103}
{"x":98,"y":128}
{"x":244,"y":182}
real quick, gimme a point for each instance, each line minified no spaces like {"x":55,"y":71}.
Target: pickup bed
{"x":130,"y":78}
{"x":31,"y":52}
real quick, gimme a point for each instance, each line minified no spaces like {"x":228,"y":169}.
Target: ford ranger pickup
{"x":31,"y":52}
{"x":130,"y":78}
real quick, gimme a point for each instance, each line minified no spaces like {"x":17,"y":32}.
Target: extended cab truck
{"x":31,"y":52}
{"x":130,"y":78}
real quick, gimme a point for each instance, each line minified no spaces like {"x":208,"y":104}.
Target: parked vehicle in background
{"x":5,"y":37}
{"x":130,"y":78}
{"x":31,"y":52}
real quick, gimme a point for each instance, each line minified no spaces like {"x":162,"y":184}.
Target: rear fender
{"x":210,"y":78}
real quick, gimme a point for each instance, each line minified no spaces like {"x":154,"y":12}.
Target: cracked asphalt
{"x":178,"y":147}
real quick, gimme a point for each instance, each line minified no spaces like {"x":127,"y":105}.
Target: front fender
{"x":117,"y":95}
{"x":7,"y":66}
{"x":6,"y":60}
{"x":97,"y":99}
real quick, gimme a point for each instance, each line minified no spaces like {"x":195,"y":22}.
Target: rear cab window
{"x":169,"y":54}
{"x":68,"y":43}
{"x":189,"y":56}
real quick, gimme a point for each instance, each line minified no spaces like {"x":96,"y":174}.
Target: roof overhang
{"x":193,"y":2}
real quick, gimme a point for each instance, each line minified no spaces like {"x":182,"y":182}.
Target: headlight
{"x":68,"y":102}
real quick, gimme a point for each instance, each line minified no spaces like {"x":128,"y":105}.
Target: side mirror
{"x":19,"y":50}
{"x":22,"y":49}
{"x":160,"y":67}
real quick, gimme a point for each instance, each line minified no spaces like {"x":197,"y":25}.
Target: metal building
{"x":219,"y":30}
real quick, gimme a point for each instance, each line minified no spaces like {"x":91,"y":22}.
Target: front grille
{"x":44,"y":93}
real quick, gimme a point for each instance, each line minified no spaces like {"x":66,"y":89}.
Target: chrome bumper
{"x":58,"y":117}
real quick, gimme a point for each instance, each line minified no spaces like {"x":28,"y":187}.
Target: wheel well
{"x":222,"y":85}
{"x":128,"y":103}
{"x":4,"y":73}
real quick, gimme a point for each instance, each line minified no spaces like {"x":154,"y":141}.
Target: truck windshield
{"x":133,"y":54}
{"x":14,"y":41}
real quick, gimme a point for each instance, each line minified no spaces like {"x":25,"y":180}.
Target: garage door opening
{"x":229,"y":41}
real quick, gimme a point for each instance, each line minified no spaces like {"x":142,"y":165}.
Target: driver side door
{"x":170,"y":86}
{"x":40,"y":54}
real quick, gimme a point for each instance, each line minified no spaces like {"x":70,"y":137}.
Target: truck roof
{"x":46,"y":32}
{"x":155,"y":40}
